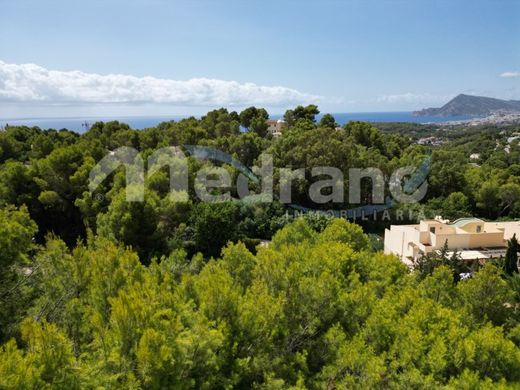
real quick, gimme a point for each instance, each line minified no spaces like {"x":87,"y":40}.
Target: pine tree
{"x":511,"y":261}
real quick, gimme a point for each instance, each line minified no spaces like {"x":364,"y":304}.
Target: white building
{"x":473,"y":238}
{"x":275,"y":127}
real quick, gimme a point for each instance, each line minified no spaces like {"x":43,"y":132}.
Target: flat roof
{"x":464,"y":221}
{"x":474,"y":254}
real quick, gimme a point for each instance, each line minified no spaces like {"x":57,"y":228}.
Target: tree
{"x":488,"y":199}
{"x":306,"y":113}
{"x":365,"y":134}
{"x":259,"y":125}
{"x":247,"y":147}
{"x":255,"y":119}
{"x":446,"y":173}
{"x":511,"y":260}
{"x":17,"y":232}
{"x":340,"y":230}
{"x":328,"y":121}
{"x":129,"y":304}
{"x":17,"y":186}
{"x":16,"y":236}
{"x":456,"y":206}
{"x":112,"y":134}
{"x":56,"y":178}
{"x":427,"y":263}
{"x":9,"y":148}
{"x":298,"y":231}
{"x":148,"y":226}
{"x":48,"y":363}
{"x":309,"y":147}
{"x":487,"y":296}
{"x":213,"y":224}
{"x":306,"y":311}
{"x":509,"y":195}
{"x":221,"y":123}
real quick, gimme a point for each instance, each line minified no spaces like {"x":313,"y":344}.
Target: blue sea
{"x":142,"y":122}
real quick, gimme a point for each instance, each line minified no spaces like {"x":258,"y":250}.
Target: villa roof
{"x":461,"y":222}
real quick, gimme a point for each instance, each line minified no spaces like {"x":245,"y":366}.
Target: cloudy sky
{"x":136,"y":57}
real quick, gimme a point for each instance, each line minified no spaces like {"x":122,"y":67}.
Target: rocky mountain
{"x":463,"y":105}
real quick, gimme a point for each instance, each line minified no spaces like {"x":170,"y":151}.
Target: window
{"x":479,"y":228}
{"x":432,"y":230}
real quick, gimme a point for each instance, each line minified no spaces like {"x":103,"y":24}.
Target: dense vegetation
{"x":99,"y":292}
{"x":48,"y":172}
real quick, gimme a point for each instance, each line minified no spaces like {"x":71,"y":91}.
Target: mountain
{"x":463,"y":105}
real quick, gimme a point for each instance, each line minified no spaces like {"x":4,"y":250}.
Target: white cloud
{"x":510,"y":74}
{"x":33,"y":83}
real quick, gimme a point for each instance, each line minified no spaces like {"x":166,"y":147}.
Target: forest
{"x":98,"y":292}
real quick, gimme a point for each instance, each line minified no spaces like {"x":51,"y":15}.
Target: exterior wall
{"x":509,"y":228}
{"x":274,"y":127}
{"x":425,"y":237}
{"x":469,"y":240}
{"x":407,"y":241}
{"x":271,"y":128}
{"x":471,"y":227}
{"x":399,"y":238}
{"x":425,"y":226}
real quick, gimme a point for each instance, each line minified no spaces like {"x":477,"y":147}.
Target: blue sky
{"x":347,"y":56}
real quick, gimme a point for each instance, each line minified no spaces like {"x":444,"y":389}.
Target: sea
{"x":80,"y":124}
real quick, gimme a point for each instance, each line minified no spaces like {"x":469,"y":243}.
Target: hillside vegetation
{"x":98,"y":292}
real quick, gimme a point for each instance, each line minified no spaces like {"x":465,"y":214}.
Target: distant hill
{"x":463,"y":105}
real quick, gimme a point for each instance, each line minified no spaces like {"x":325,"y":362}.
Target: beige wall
{"x":406,"y":240}
{"x":468,"y":240}
{"x":425,"y":226}
{"x":509,"y":228}
{"x":471,"y":227}
{"x":398,"y":238}
{"x":275,"y":128}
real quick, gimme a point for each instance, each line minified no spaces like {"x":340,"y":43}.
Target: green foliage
{"x":348,"y":233}
{"x":307,"y":113}
{"x":425,"y":264}
{"x":16,"y":244}
{"x":47,"y":363}
{"x":214,"y":224}
{"x":307,"y":311}
{"x":221,"y":123}
{"x":447,"y":173}
{"x":511,"y":260}
{"x":254,"y":119}
{"x":247,"y":147}
{"x":509,"y":195}
{"x":328,"y":121}
{"x":487,"y":296}
{"x":16,"y":236}
{"x":48,"y":170}
{"x":149,"y":226}
{"x":117,"y":295}
{"x":454,"y":206}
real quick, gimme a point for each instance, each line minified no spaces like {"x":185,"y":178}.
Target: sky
{"x":157,"y":57}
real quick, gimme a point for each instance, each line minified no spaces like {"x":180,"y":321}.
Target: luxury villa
{"x":473,"y":238}
{"x":274,"y":127}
